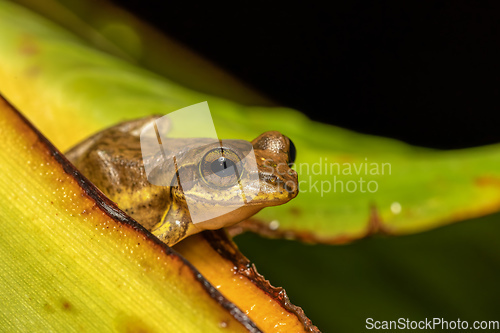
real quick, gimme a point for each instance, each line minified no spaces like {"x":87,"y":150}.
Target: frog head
{"x":228,"y":181}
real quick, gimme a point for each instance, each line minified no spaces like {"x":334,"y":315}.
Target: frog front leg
{"x":175,"y":224}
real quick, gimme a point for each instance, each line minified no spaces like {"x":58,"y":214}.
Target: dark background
{"x":426,"y":73}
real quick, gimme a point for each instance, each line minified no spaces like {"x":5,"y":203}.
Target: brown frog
{"x":113,"y":161}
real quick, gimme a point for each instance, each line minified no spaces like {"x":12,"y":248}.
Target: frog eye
{"x":221,"y":168}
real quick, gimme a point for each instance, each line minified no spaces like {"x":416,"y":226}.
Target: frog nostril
{"x":292,"y":153}
{"x":272,"y":179}
{"x":289,"y":188}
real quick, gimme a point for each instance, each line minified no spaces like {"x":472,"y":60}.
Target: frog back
{"x":112,"y":160}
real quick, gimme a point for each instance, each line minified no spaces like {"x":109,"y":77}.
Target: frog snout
{"x":290,"y":188}
{"x":276,"y":155}
{"x":289,"y":184}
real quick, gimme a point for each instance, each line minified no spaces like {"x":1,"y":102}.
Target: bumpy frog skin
{"x":113,"y":161}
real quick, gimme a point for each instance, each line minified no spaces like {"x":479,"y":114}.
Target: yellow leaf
{"x":70,"y":259}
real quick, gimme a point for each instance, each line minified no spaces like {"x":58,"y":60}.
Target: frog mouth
{"x":269,"y":190}
{"x":289,"y":186}
{"x":290,"y":189}
{"x":277,"y":194}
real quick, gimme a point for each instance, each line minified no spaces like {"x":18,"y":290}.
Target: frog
{"x":113,"y":161}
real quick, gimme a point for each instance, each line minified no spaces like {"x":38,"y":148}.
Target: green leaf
{"x":117,"y":32}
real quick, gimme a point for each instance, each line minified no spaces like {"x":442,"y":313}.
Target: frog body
{"x":112,"y":159}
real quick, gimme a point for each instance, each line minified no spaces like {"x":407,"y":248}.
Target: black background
{"x":426,"y":73}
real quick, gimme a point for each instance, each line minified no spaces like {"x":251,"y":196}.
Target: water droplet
{"x":274,"y":225}
{"x":396,"y":207}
